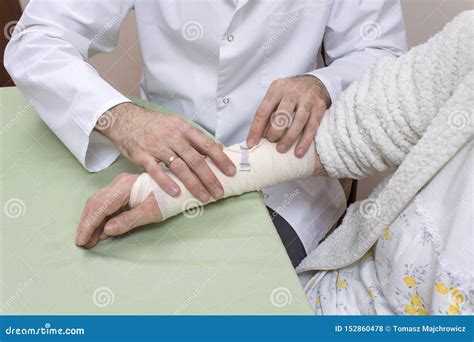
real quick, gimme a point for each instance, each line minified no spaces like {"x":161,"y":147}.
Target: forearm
{"x":48,"y":60}
{"x":267,"y":167}
{"x":374,"y":124}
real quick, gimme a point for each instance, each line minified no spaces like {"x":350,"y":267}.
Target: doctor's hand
{"x":290,"y":110}
{"x":147,"y":137}
{"x":106,"y":213}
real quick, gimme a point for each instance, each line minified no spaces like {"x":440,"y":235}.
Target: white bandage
{"x":268,"y":167}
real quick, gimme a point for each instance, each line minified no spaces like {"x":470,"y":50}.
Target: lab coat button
{"x":230,"y":38}
{"x":225,"y":100}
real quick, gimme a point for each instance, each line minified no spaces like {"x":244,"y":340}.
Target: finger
{"x":181,"y":170}
{"x":198,"y":165}
{"x":214,"y":151}
{"x":281,"y":119}
{"x":309,"y":133}
{"x":200,"y":168}
{"x":165,"y":182}
{"x":144,"y":213}
{"x":269,"y":103}
{"x":103,"y":236}
{"x":299,"y":122}
{"x":103,"y":203}
{"x":95,"y":237}
{"x":97,"y":208}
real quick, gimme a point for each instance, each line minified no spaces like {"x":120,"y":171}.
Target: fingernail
{"x":300,"y":152}
{"x":174,"y":189}
{"x":218,"y":193}
{"x":204,"y":196}
{"x":231,"y":170}
{"x":250,"y":142}
{"x":80,"y":240}
{"x":282,"y":147}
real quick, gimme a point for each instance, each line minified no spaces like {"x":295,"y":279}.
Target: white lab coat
{"x":211,"y":61}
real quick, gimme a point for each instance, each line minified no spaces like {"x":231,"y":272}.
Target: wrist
{"x":109,"y":123}
{"x":322,"y":91}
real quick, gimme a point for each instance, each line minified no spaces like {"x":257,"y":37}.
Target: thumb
{"x":144,"y":213}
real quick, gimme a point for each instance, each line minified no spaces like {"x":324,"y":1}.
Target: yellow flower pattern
{"x":410,"y":309}
{"x":454,"y":309}
{"x":406,"y":281}
{"x":441,"y":288}
{"x":415,"y":306}
{"x":342,"y":284}
{"x":409,"y":281}
{"x":416,"y":300}
{"x":422,"y":312}
{"x":457,"y":296}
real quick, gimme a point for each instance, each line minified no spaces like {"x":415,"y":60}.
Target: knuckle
{"x":279,"y":82}
{"x":88,"y":201}
{"x":312,"y":126}
{"x":196,"y":161}
{"x":218,"y":148}
{"x":261,"y":112}
{"x":152,"y":168}
{"x":312,"y":93}
{"x":149,"y":140}
{"x":194,"y":186}
{"x":91,"y":201}
{"x":123,"y":177}
{"x":320,"y":106}
{"x":180,"y":145}
{"x":290,"y":138}
{"x":178,"y":167}
{"x":222,"y":159}
{"x":306,"y":106}
{"x":209,"y":144}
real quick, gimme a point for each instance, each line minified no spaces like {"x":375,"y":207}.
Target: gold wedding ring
{"x":170,"y":160}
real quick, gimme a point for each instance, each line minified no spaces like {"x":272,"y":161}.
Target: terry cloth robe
{"x":407,"y":249}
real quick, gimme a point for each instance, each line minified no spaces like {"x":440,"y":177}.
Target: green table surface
{"x":227,"y":260}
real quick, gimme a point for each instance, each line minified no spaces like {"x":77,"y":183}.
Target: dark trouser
{"x":288,"y":236}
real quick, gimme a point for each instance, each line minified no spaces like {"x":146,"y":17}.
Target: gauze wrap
{"x":268,"y":168}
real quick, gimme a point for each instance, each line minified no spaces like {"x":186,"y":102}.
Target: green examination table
{"x":228,"y":259}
